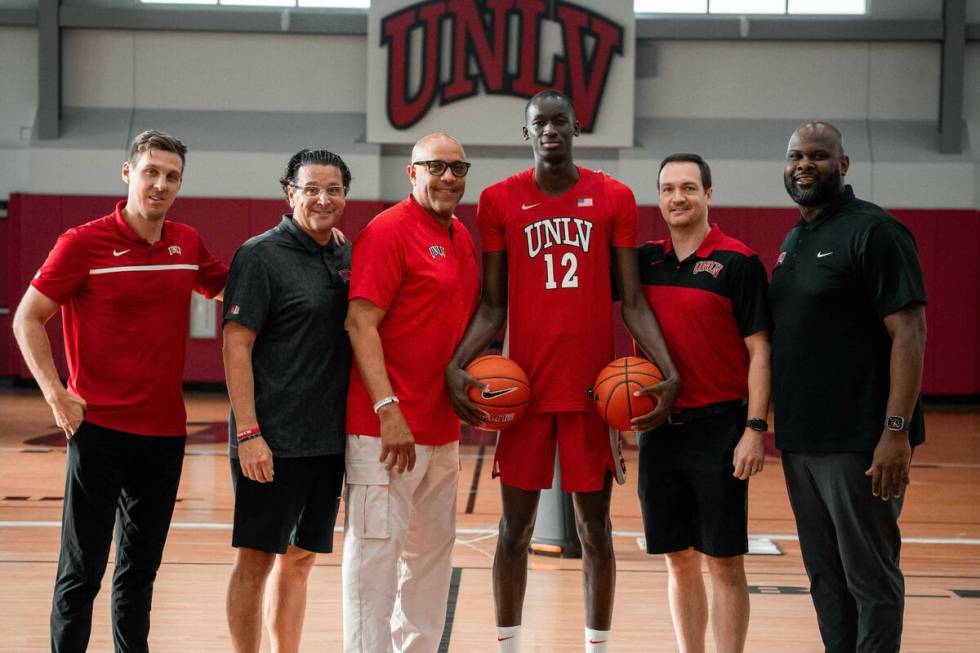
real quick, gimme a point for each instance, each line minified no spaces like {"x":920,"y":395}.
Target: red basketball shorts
{"x":525,"y":456}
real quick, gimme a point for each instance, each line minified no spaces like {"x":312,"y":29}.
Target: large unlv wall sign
{"x":468,"y":67}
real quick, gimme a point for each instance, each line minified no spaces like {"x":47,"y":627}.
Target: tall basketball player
{"x":550,"y":235}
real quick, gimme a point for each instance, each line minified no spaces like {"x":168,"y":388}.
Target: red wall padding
{"x":948,"y":241}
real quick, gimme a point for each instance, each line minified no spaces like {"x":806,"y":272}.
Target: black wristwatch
{"x":896,"y":423}
{"x":757,"y":424}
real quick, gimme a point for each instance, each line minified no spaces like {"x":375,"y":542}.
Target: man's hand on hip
{"x":397,"y":441}
{"x":69,"y":411}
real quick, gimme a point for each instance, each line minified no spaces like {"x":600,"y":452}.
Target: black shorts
{"x":298,"y":507}
{"x":688,"y":494}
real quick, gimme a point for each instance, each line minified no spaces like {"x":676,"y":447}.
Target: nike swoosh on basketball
{"x":492,"y":394}
{"x":120,"y":253}
{"x":525,"y":207}
{"x":822,"y":254}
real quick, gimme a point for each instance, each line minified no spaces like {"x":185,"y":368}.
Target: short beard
{"x":822,"y":193}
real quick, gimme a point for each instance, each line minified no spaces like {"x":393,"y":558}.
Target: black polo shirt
{"x":707,"y":305}
{"x":292,"y":292}
{"x":836,"y":279}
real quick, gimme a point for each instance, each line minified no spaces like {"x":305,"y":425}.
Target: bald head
{"x":819,"y":131}
{"x":422,"y":151}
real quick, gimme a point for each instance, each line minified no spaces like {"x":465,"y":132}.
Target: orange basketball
{"x":614,"y":388}
{"x":507,"y":394}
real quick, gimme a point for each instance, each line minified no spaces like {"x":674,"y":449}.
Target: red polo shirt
{"x":126,"y":308}
{"x":425,"y":276}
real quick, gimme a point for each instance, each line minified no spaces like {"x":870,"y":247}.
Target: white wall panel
{"x":18,"y":84}
{"x":13,"y":171}
{"x":74,"y":171}
{"x":729,"y":79}
{"x":98,"y":68}
{"x":904,"y":81}
{"x":250,"y":72}
{"x":924,"y":185}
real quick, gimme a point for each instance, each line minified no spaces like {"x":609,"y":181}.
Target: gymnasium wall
{"x":948,"y":242}
{"x":245,"y":102}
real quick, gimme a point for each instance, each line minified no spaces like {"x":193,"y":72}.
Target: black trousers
{"x":131,"y":481}
{"x":851,"y":543}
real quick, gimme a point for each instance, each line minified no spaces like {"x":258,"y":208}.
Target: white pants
{"x":398,"y":543}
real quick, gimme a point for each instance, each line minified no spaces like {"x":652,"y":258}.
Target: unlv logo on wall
{"x":453,"y":64}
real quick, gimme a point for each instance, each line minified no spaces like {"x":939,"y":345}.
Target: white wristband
{"x":384,"y":401}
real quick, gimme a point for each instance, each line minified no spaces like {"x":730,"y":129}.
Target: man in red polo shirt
{"x":123,"y":283}
{"x":709,"y":293}
{"x":414,"y":283}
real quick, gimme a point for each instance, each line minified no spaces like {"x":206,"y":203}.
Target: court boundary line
{"x":781,"y":537}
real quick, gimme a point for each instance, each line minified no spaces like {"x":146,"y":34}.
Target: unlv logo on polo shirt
{"x":479,"y":34}
{"x":711,"y":267}
{"x":437,"y":251}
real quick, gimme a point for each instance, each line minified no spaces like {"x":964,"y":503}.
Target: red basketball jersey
{"x":559,"y":321}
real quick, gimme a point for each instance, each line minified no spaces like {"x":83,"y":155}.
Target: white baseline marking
{"x":204,"y":526}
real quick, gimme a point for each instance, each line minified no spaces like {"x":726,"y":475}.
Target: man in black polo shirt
{"x":848,"y":303}
{"x":708,"y":292}
{"x":287,"y":363}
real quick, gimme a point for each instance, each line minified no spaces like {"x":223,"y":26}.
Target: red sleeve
{"x":65,"y":270}
{"x":489,"y":219}
{"x":378,"y":264}
{"x":211,"y":273}
{"x":625,"y":218}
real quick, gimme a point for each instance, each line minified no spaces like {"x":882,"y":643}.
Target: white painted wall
{"x":885,"y":94}
{"x":837,"y":81}
{"x":214,"y":71}
{"x":18,"y":84}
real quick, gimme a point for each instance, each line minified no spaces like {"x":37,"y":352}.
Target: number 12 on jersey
{"x":570,"y":263}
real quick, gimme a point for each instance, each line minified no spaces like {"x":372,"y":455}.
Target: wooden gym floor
{"x":940,"y":523}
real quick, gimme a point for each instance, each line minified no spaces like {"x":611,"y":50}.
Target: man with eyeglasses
{"x":550,"y":235}
{"x":415,"y":282}
{"x":287,"y":364}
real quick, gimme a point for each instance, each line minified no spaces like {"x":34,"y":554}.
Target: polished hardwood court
{"x":940,"y":557}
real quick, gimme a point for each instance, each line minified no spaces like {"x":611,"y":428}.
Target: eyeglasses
{"x":438,"y":168}
{"x":333,"y":192}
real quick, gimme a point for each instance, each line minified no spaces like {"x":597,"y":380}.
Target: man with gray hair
{"x":848,"y":304}
{"x":414,"y":284}
{"x":124,"y":284}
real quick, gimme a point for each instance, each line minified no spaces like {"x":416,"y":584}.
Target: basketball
{"x":614,"y":388}
{"x":507,"y":395}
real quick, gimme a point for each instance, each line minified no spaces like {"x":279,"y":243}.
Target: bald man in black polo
{"x":848,"y":299}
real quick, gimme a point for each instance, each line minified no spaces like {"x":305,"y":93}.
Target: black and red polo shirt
{"x":707,"y":305}
{"x":125,"y":306}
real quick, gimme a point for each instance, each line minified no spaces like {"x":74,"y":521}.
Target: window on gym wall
{"x":339,"y":4}
{"x":750,"y":6}
{"x":640,"y":6}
